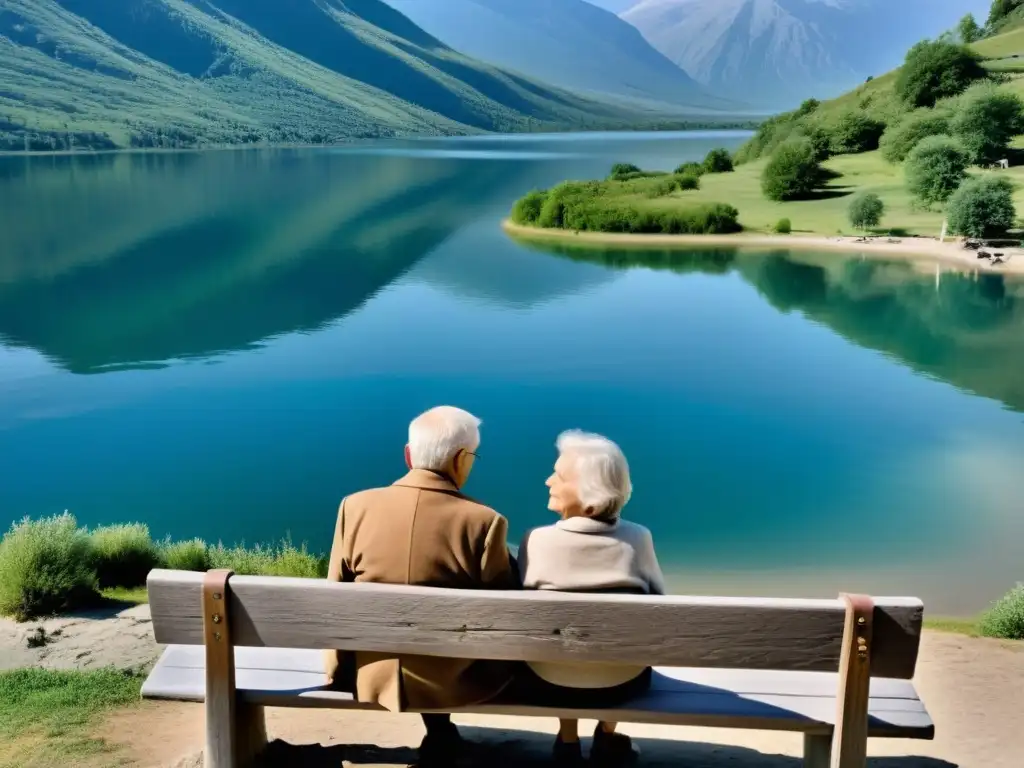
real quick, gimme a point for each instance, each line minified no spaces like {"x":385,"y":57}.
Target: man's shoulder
{"x":474,"y":509}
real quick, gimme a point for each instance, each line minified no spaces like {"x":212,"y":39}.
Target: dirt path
{"x":974,"y":689}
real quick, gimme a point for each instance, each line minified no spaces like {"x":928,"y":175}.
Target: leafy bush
{"x":808,"y":106}
{"x":687,"y":181}
{"x":124,"y":555}
{"x":783,"y":226}
{"x":793,"y":172}
{"x":192,"y":555}
{"x":623,"y":169}
{"x":662,"y":187}
{"x":527,"y":209}
{"x":283,"y":560}
{"x":1006,"y":616}
{"x":718,"y":161}
{"x":587,"y":206}
{"x":982,"y":206}
{"x":986,"y":121}
{"x":46,"y":566}
{"x":899,"y":139}
{"x":866,"y":210}
{"x":855,"y":132}
{"x":935,"y":168}
{"x":770,"y":135}
{"x":690,"y":168}
{"x":937,"y":69}
{"x":820,"y":139}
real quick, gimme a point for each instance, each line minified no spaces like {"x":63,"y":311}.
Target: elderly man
{"x":423,"y":531}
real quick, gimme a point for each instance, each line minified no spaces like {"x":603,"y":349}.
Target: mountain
{"x":184,"y":72}
{"x":776,"y":53}
{"x":570,"y":43}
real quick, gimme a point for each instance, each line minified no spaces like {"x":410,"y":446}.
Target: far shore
{"x":908,"y":248}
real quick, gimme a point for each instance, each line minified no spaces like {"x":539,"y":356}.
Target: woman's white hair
{"x":435,"y":437}
{"x":602,"y":473}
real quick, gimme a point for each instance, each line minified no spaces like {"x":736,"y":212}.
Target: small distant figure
{"x":1004,"y":164}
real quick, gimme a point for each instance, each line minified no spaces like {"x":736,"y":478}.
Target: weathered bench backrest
{"x":741,"y":633}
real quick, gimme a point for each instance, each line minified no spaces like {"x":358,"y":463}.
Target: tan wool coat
{"x":420,"y":531}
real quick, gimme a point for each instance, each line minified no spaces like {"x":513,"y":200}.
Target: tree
{"x":968,"y":29}
{"x":866,"y":210}
{"x":936,"y":70}
{"x":1001,"y":9}
{"x":855,"y":132}
{"x":982,"y":206}
{"x":793,"y":172}
{"x":808,"y":106}
{"x":935,"y":168}
{"x":986,"y":121}
{"x":718,"y":161}
{"x":690,"y":168}
{"x":900,"y":138}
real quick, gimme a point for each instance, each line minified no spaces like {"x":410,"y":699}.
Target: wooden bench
{"x":837,"y":671}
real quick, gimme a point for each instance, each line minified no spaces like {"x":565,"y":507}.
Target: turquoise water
{"x":224,"y":344}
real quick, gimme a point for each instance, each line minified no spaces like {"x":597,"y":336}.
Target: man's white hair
{"x":440,"y":433}
{"x":602,"y":472}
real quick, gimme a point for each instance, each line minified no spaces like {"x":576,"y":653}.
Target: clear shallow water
{"x":224,"y":344}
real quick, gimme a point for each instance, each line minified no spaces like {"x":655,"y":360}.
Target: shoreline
{"x":909,"y":248}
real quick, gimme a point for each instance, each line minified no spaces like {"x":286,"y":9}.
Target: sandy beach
{"x":915,"y":249}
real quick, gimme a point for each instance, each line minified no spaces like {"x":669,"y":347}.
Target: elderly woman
{"x":591,"y":549}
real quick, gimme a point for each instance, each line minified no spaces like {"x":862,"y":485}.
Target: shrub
{"x":820,"y":140}
{"x":124,"y":555}
{"x":793,"y":172}
{"x":770,"y":135}
{"x":808,"y":106}
{"x":935,"y":168}
{"x":986,"y":121}
{"x":1006,"y":616}
{"x":899,"y":139}
{"x":283,"y":560}
{"x":192,"y":555}
{"x":662,"y":187}
{"x":783,"y":226}
{"x":687,"y":181}
{"x":934,"y":70}
{"x":690,"y":168}
{"x":866,"y":210}
{"x":623,"y":169}
{"x":527,"y":209}
{"x":982,"y":206}
{"x":46,"y":566}
{"x":855,"y":132}
{"x":718,"y":161}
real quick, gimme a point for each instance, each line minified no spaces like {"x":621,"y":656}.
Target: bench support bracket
{"x":850,"y":738}
{"x":817,"y":750}
{"x":235,"y":732}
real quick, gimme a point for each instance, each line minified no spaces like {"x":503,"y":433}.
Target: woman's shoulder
{"x":631,"y":529}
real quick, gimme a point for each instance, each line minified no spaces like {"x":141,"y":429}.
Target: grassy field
{"x":825,"y":215}
{"x":46,"y":716}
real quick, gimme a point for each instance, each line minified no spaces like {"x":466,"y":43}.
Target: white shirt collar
{"x":586,"y":525}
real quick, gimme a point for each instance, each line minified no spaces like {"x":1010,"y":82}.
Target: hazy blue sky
{"x":615,"y":6}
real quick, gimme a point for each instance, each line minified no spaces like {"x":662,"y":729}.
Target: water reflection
{"x":966,"y":329}
{"x":128,"y":260}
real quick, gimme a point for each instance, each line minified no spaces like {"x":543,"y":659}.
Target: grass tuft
{"x":285,"y":559}
{"x":125,"y":554}
{"x":191,"y":555}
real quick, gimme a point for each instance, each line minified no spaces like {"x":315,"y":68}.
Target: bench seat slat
{"x":796,"y":701}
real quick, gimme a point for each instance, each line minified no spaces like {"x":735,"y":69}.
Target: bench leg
{"x":817,"y":750}
{"x":252,"y":733}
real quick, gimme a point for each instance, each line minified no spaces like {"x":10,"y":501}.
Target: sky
{"x":615,"y":6}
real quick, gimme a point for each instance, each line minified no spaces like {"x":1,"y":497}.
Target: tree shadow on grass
{"x":827,"y":193}
{"x":496,"y":748}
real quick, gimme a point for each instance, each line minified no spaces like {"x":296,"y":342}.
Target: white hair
{"x":435,"y":437}
{"x":602,"y":473}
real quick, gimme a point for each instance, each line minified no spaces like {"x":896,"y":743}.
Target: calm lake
{"x":224,"y":344}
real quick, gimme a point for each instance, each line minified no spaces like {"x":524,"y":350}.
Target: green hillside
{"x":176,"y":73}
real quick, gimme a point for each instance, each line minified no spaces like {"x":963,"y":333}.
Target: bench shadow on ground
{"x":496,"y":748}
